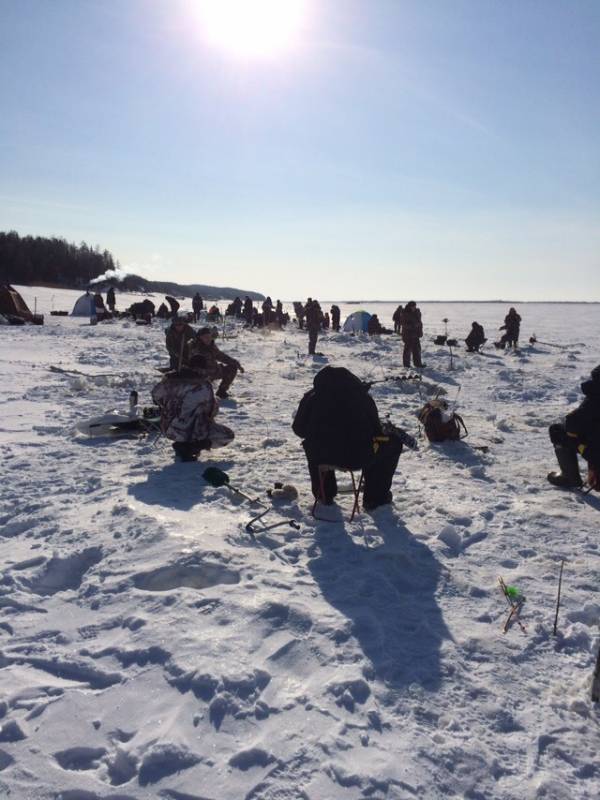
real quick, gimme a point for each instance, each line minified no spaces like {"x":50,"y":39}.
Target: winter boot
{"x":568,"y":477}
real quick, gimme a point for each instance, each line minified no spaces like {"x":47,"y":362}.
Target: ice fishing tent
{"x":357,"y":321}
{"x":85,"y":306}
{"x":12,"y":304}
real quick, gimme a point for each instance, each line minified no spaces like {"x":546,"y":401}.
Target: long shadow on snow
{"x":388,"y":594}
{"x":176,"y":485}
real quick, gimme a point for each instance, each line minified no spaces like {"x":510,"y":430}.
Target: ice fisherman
{"x":219,"y":365}
{"x":340,"y":427}
{"x":179,"y":336}
{"x":314,"y":319}
{"x":579,"y":435}
{"x":512,"y":327}
{"x":411,"y":331}
{"x":335,"y":317}
{"x":475,"y":338}
{"x":187,"y":411}
{"x":197,"y":306}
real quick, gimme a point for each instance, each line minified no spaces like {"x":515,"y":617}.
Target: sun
{"x":252,"y":28}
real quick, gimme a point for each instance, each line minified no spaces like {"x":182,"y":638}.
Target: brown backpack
{"x":436,"y":428}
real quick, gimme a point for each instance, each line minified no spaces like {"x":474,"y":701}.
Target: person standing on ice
{"x":197,"y":306}
{"x":219,"y":366}
{"x":187,"y":410}
{"x":580,"y":434}
{"x":396,"y":318}
{"x":314,"y":318}
{"x":411,"y":331}
{"x":512,"y":326}
{"x":335,"y":318}
{"x":110,"y":299}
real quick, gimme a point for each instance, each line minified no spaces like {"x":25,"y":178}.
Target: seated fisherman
{"x":374,"y":326}
{"x":179,"y":336}
{"x":340,"y":426}
{"x":580,"y":433}
{"x":187,"y":410}
{"x":476,"y":338}
{"x":219,"y":366}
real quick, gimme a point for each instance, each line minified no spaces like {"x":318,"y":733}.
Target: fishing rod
{"x":408,"y":377}
{"x":534,"y":340}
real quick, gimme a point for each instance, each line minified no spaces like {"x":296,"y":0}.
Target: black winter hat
{"x":203,"y":331}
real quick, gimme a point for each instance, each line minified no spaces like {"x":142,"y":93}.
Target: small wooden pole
{"x":562,"y":565}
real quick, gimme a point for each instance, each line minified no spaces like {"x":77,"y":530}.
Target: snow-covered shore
{"x":151,"y":649}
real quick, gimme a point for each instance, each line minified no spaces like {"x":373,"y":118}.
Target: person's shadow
{"x":388,"y":595}
{"x":176,"y":485}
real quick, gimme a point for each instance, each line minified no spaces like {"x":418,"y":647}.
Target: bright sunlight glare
{"x":252,"y":28}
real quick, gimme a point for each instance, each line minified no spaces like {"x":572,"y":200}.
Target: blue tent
{"x":357,"y":321}
{"x":85,"y":306}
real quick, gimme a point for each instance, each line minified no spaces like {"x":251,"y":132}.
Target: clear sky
{"x":437,"y":149}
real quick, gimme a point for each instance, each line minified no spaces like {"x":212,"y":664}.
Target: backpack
{"x":438,"y":429}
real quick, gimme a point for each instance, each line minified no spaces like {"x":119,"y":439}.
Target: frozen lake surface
{"x":151,"y":649}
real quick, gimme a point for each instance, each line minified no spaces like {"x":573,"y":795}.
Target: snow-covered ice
{"x":151,"y":649}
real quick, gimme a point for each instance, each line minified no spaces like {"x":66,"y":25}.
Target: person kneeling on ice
{"x":339,"y":424}
{"x":187,"y":411}
{"x":580,"y":433}
{"x":219,"y":366}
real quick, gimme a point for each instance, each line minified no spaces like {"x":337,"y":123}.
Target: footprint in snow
{"x":192,"y":576}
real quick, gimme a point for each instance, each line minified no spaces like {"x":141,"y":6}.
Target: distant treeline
{"x":37,"y":260}
{"x":28,"y":260}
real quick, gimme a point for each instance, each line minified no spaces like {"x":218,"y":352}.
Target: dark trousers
{"x":313,"y":335}
{"x":509,"y":340}
{"x":412,"y":347}
{"x":226,"y":373}
{"x":378,"y":472}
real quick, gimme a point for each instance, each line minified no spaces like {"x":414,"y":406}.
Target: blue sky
{"x":447,"y":149}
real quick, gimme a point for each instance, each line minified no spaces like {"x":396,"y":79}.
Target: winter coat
{"x":338,"y":419}
{"x":374,"y":326}
{"x":174,"y":338}
{"x":197,"y":303}
{"x":397,"y":314}
{"x":476,"y":336}
{"x":187,"y":405}
{"x":412,"y":327}
{"x":314,"y":315}
{"x":512,"y":326}
{"x":174,"y":304}
{"x":583,"y":424}
{"x":213,"y":357}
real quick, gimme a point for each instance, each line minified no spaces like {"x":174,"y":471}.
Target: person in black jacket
{"x":475,"y":338}
{"x":340,"y":426}
{"x":580,"y":434}
{"x":335,"y":317}
{"x":512,"y":326}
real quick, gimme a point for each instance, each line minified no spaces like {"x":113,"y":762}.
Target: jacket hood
{"x":336,"y":379}
{"x":591,"y":388}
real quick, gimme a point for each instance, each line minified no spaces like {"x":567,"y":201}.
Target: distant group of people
{"x":337,"y":419}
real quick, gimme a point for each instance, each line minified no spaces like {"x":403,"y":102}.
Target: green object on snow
{"x":512,"y":592}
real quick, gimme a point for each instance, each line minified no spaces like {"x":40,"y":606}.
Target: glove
{"x":239,"y":366}
{"x":408,"y":440}
{"x":594,"y":478}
